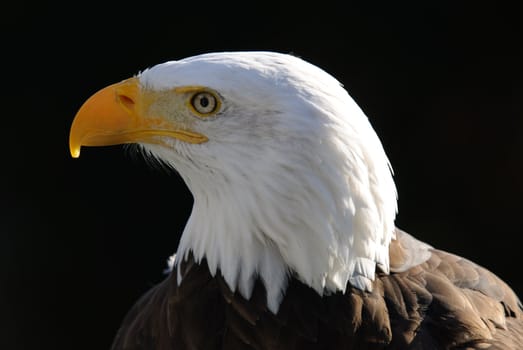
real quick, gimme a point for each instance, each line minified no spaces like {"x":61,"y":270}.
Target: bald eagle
{"x":291,"y":243}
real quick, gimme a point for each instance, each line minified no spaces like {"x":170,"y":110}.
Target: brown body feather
{"x":445,"y":302}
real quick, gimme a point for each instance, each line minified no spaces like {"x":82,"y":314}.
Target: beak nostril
{"x":126,"y":101}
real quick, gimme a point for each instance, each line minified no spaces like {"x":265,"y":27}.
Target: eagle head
{"x":288,"y":177}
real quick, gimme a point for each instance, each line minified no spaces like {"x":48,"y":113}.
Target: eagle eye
{"x":204,"y":103}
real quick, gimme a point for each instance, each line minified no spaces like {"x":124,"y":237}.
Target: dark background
{"x":82,"y":239}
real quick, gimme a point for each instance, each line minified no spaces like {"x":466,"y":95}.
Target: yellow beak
{"x":115,"y":115}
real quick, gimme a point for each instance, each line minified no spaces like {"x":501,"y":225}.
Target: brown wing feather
{"x":172,"y":317}
{"x":431,"y":300}
{"x":460,"y":304}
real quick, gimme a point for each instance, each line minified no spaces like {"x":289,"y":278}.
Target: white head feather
{"x":293,"y":180}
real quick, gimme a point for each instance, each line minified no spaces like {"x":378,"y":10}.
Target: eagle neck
{"x":325,"y":228}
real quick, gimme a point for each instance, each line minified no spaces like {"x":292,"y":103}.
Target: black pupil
{"x":204,"y":101}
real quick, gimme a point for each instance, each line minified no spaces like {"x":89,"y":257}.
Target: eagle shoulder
{"x":448,"y":301}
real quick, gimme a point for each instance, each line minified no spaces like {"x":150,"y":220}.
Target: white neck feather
{"x":326,"y":219}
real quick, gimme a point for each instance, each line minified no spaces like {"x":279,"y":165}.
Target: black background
{"x":82,"y":239}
